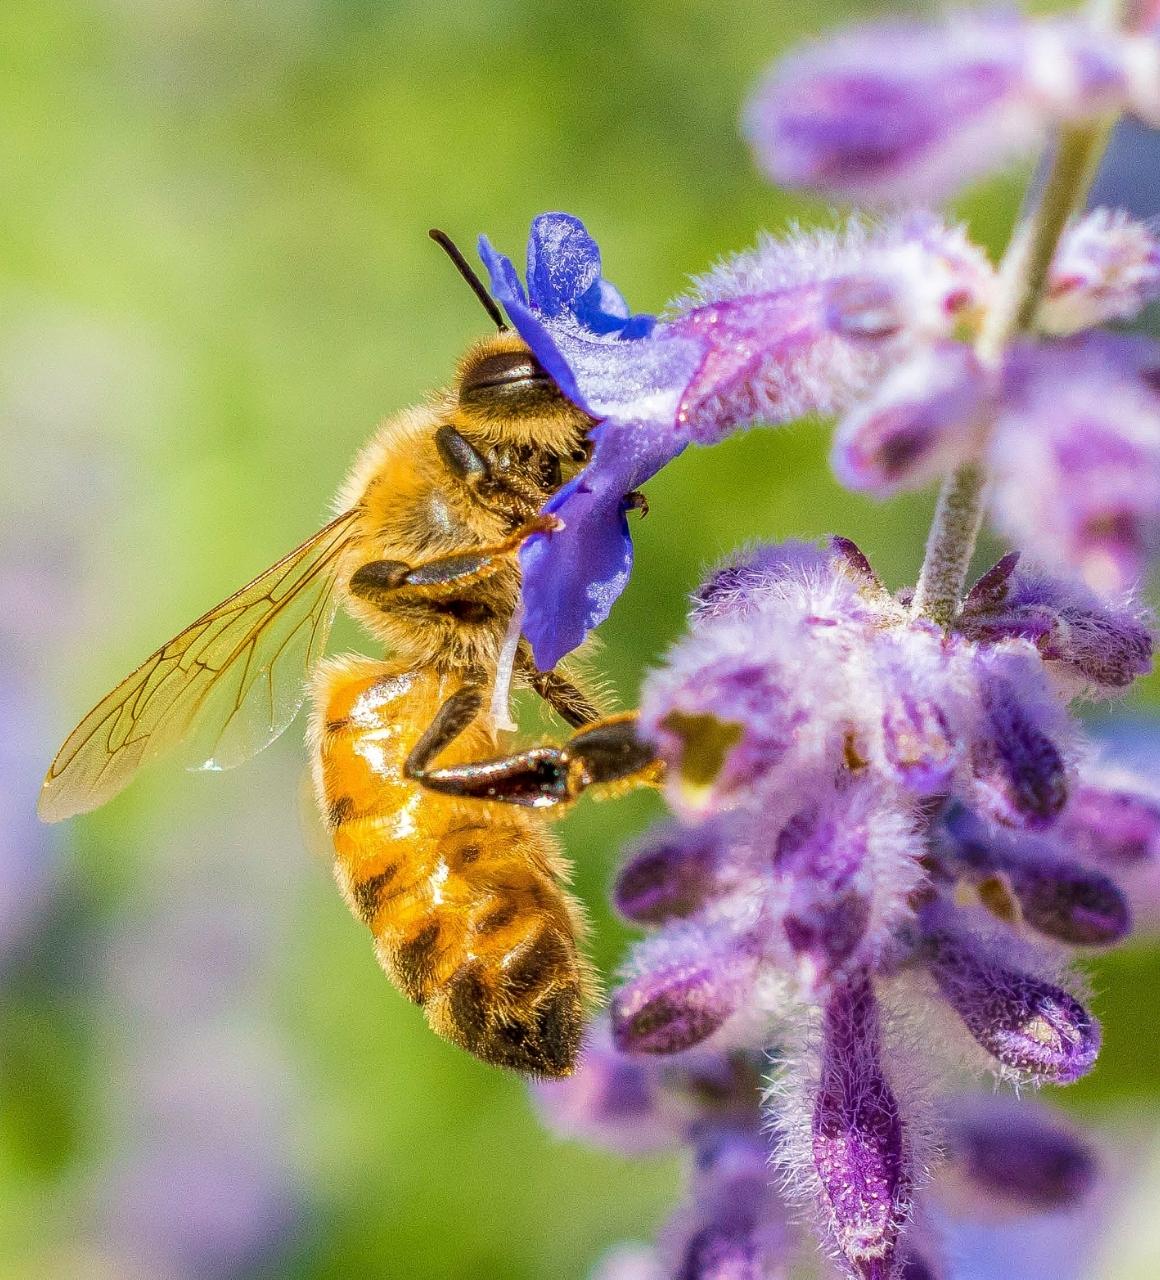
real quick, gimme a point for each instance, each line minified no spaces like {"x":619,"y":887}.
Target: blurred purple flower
{"x":1076,"y":454}
{"x":1017,"y":1153}
{"x":905,"y":110}
{"x":1107,"y":267}
{"x":925,"y":418}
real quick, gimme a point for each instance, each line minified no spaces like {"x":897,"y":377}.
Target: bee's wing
{"x":237,"y":675}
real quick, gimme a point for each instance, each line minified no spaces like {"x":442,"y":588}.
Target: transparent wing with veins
{"x":232,"y":681}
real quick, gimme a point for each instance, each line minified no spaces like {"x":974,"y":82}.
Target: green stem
{"x":958,"y":515}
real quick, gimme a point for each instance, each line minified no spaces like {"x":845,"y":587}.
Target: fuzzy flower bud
{"x":687,"y":986}
{"x":1116,"y":825}
{"x":904,"y":110}
{"x":1107,"y":267}
{"x":1019,"y":773}
{"x":1059,"y":897}
{"x":1099,"y":646}
{"x":673,"y":872}
{"x":858,"y":1145}
{"x":1017,"y":1153}
{"x":1075,"y":455}
{"x":1025,"y":1022}
{"x":923,"y":421}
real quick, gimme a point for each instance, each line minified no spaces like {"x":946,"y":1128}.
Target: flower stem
{"x":958,"y":515}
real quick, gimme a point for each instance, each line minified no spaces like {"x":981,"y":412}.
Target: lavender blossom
{"x":911,"y":111}
{"x":1061,"y":898}
{"x":1092,"y":645}
{"x":1027,"y":1023}
{"x":849,"y":779}
{"x":926,"y":418}
{"x":1111,"y":821}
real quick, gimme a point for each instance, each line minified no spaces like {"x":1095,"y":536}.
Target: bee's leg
{"x":606,"y":753}
{"x":491,"y":490}
{"x":566,"y":699}
{"x":388,"y":583}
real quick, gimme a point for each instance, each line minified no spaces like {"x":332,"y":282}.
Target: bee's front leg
{"x":606,"y":753}
{"x":389,"y":583}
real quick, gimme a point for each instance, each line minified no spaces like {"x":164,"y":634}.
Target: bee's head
{"x":503,"y":391}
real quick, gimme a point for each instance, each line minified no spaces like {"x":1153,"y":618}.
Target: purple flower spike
{"x":1019,"y":1154}
{"x":924,"y":420}
{"x":858,"y":1145}
{"x":1107,"y":267}
{"x":909,"y":111}
{"x":1024,"y":1022}
{"x":687,"y":992}
{"x":1117,"y":826}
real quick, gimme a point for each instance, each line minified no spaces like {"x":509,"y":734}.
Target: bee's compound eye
{"x":502,"y":372}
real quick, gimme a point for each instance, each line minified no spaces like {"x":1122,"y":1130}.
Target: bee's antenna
{"x":444,"y":241}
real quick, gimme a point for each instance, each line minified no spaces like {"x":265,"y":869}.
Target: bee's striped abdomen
{"x":463,"y":898}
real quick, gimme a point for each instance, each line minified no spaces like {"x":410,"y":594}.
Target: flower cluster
{"x":880,"y":825}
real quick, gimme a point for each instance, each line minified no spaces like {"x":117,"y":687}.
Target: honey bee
{"x":445,"y":857}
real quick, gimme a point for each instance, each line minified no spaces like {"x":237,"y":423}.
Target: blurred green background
{"x":215,"y":281}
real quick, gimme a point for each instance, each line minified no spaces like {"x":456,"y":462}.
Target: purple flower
{"x":786,"y":329}
{"x":925,"y":419}
{"x":904,"y":110}
{"x":1028,"y":1024}
{"x":581,"y":331}
{"x":1075,"y":453}
{"x":1096,"y":645}
{"x":1110,"y":820}
{"x":690,"y":981}
{"x":859,"y":1150}
{"x":1107,"y":267}
{"x":675,"y":871}
{"x":732,"y":1226}
{"x":1017,"y":1153}
{"x":614,"y":1100}
{"x":1058,"y":896}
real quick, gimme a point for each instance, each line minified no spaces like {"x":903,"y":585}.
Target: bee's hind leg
{"x":605,"y":753}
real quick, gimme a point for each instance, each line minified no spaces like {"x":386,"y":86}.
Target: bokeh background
{"x":214,"y":281}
